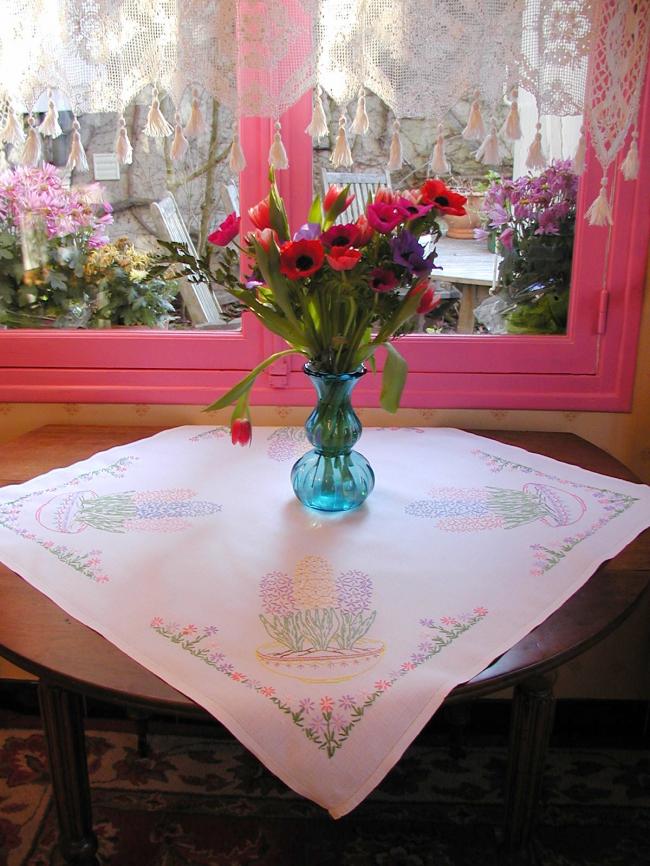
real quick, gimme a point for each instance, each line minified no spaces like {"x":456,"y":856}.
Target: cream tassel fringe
{"x":156,"y":126}
{"x":318,"y":125}
{"x":180,"y":144}
{"x":439,"y":164}
{"x":12,"y":131}
{"x":50,"y":125}
{"x":395,"y":160}
{"x":277,"y":154}
{"x":536,"y":158}
{"x":512,"y":127}
{"x":236,"y":158}
{"x":488,"y":152}
{"x":341,"y":155}
{"x":360,"y":124}
{"x":31,"y":154}
{"x":475,"y":128}
{"x":579,"y":156}
{"x":630,"y":165}
{"x":77,"y":158}
{"x":123,"y":149}
{"x":196,"y":124}
{"x":600,"y":213}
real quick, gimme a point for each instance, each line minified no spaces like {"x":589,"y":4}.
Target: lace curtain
{"x":259,"y":56}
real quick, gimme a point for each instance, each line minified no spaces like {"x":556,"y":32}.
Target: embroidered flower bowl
{"x":562,"y":508}
{"x":61,"y":513}
{"x":322,"y":666}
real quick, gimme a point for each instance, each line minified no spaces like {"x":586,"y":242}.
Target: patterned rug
{"x":201,"y":801}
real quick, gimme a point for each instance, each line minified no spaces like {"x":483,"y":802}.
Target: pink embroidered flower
{"x":267,"y":691}
{"x":189,"y":629}
{"x":480,"y":611}
{"x":383,"y":685}
{"x":238,"y":677}
{"x":408,"y":666}
{"x":326,"y":704}
{"x":156,"y":622}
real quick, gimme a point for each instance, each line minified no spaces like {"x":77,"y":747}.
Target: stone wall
{"x":152,"y":171}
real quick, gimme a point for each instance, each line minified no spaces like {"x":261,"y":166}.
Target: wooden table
{"x":469,"y":265}
{"x":71,"y":660}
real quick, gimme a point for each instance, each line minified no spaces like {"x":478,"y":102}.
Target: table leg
{"x":530,"y":730}
{"x":62,"y":714}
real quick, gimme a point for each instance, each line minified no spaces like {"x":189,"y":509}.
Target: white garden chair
{"x":362,"y":184}
{"x":202,"y":307}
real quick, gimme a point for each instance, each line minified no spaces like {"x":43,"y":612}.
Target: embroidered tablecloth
{"x":323,"y":642}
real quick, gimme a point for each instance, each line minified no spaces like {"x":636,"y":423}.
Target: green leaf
{"x":315,"y":214}
{"x":247,"y":382}
{"x":278,"y":215}
{"x":393,"y":379}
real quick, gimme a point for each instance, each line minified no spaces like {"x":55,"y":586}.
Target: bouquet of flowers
{"x":46,"y":234}
{"x":334,"y":292}
{"x":531,"y":221}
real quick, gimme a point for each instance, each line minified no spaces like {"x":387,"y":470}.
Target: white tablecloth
{"x":323,"y":642}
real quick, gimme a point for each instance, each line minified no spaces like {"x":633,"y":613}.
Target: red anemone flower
{"x":383,"y":280}
{"x":385,"y":217}
{"x":442,"y":198}
{"x":341,"y":236}
{"x":343,"y":258}
{"x":301,"y":258}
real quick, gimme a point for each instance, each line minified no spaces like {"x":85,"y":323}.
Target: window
{"x":590,"y":368}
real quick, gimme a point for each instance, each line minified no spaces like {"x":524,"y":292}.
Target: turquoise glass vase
{"x":331,"y":476}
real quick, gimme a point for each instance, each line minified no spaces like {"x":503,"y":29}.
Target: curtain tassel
{"x":536,"y":158}
{"x":277,"y":154}
{"x":50,"y":125}
{"x":488,"y":152}
{"x":236,"y":158}
{"x":180,"y":144}
{"x":77,"y":158}
{"x":439,"y":164}
{"x":12,"y":131}
{"x":475,"y":128}
{"x":600,"y":213}
{"x":31,"y":154}
{"x":360,"y":124}
{"x":123,"y":149}
{"x":341,"y":155}
{"x":512,"y":127}
{"x":196,"y":124}
{"x":630,"y":165}
{"x":395,"y":160}
{"x":318,"y":125}
{"x":579,"y":156}
{"x":156,"y":126}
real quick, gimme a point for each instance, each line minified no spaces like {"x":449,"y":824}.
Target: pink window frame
{"x":591,"y":368}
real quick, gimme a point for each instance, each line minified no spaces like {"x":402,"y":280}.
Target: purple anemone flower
{"x":408,"y":252}
{"x":307,"y":232}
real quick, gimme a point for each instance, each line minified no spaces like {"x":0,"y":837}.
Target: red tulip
{"x":365,"y":230}
{"x":228,"y":230}
{"x":428,"y":298}
{"x":264,"y":238}
{"x":241,"y":432}
{"x":260,"y":215}
{"x":332,"y":194}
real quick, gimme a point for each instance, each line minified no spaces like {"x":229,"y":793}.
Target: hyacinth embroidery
{"x":87,"y":563}
{"x":149,"y":511}
{"x":287,"y":443}
{"x":325,"y":720}
{"x":318,"y":622}
{"x":457,"y":509}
